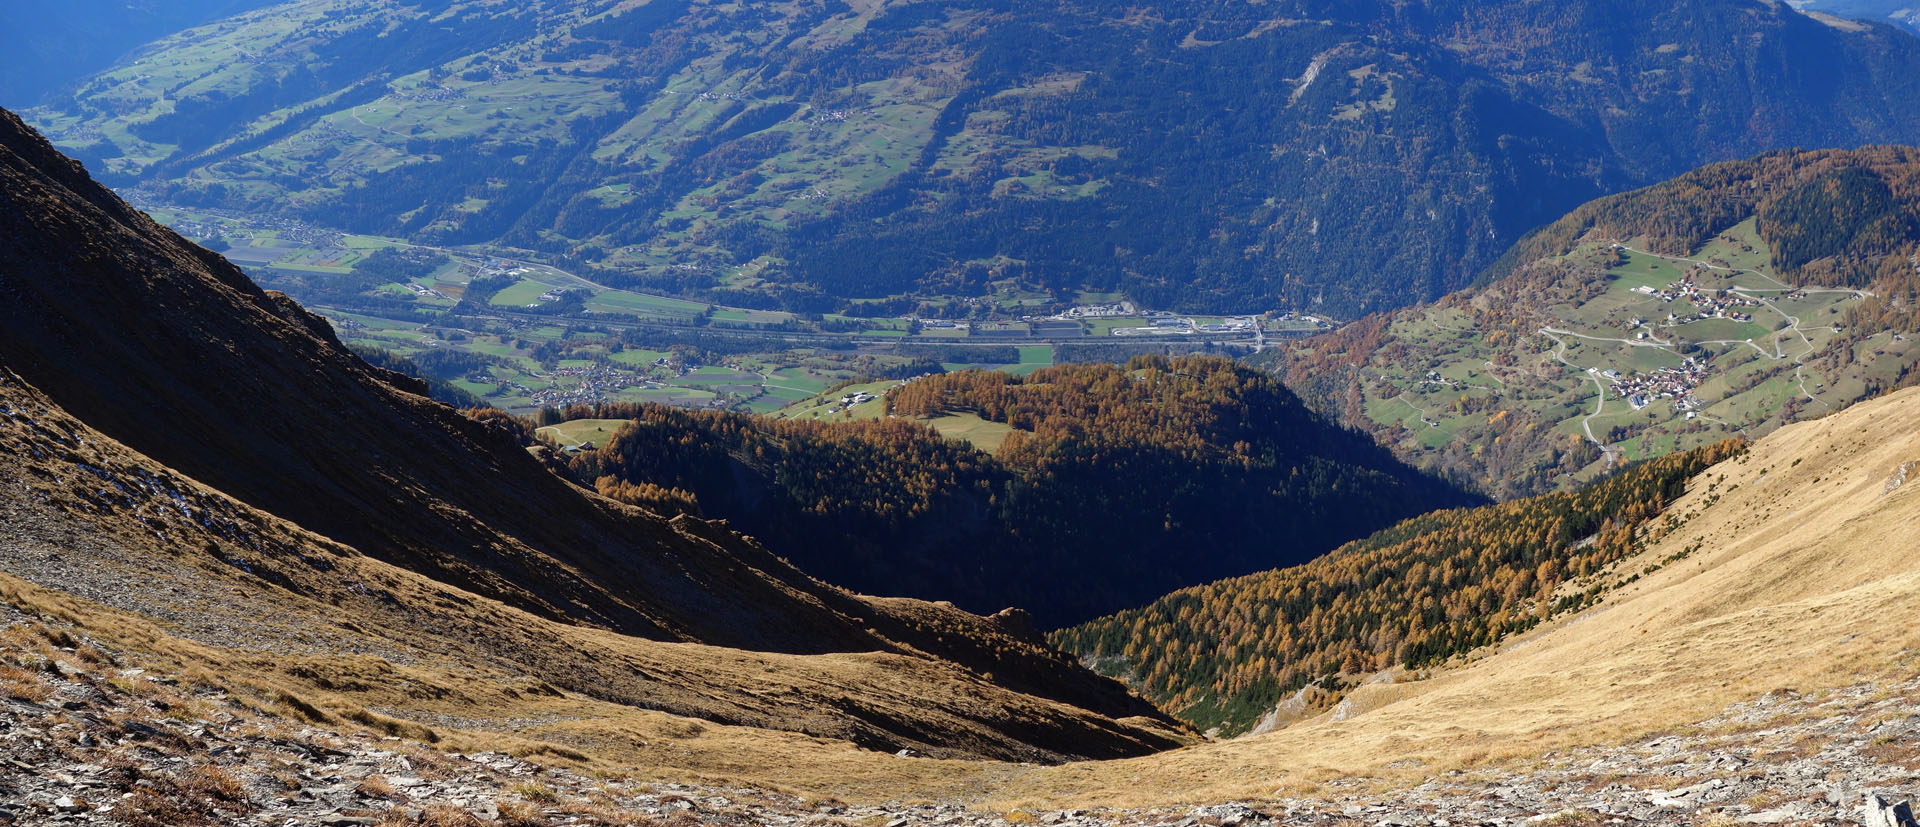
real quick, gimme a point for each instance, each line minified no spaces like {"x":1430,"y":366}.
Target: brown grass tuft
{"x":23,"y":685}
{"x":522,"y":814}
{"x":447,"y":815}
{"x":214,"y":782}
{"x":535,"y":792}
{"x":376,"y":787}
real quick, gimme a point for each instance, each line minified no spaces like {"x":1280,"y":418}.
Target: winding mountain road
{"x":1600,"y":403}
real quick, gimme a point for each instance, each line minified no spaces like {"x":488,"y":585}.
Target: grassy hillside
{"x":1727,"y":301}
{"x":1789,"y":572}
{"x":1194,"y":154}
{"x":1125,"y":482}
{"x":1225,"y":655}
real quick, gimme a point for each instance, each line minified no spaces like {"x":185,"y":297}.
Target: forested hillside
{"x":1196,"y":154}
{"x":1412,"y":596}
{"x":1727,"y":301}
{"x":1126,"y":482}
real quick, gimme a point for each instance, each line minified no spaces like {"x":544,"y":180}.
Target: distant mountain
{"x":163,"y":413}
{"x":1727,"y":301}
{"x":49,"y":46}
{"x":1352,"y":155}
{"x":1109,"y":485}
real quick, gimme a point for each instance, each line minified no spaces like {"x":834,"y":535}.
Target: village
{"x":1677,"y":384}
{"x":1165,"y":323}
{"x":586,"y":385}
{"x":1706,"y":305}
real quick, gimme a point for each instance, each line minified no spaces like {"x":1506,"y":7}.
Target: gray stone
{"x":1876,"y":811}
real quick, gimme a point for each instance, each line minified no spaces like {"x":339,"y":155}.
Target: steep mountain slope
{"x":1226,"y":654}
{"x":1727,"y":301}
{"x":1126,"y":482}
{"x":1768,"y":672}
{"x":155,"y":561}
{"x":172,"y":352}
{"x":1199,"y":154}
{"x":1780,"y":581}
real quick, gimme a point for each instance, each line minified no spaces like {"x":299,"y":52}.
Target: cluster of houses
{"x":597,"y":384}
{"x":424,"y":291}
{"x":1677,"y":384}
{"x":827,"y":116}
{"x":1100,"y":311}
{"x":440,"y":93}
{"x":1306,"y":318}
{"x":290,"y":233}
{"x":503,"y":267}
{"x":848,"y":401}
{"x":1721,"y":305}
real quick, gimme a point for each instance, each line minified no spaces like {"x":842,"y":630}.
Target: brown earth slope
{"x":470,"y":546}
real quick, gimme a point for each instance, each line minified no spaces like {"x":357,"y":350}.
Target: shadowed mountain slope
{"x":168,"y":349}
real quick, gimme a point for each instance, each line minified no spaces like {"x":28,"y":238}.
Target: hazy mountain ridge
{"x":800,"y":154}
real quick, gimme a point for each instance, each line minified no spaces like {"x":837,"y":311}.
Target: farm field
{"x":973,"y":430}
{"x":827,"y":405}
{"x":583,"y":431}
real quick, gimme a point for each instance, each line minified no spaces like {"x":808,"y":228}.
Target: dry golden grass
{"x":535,"y":792}
{"x":24,"y":685}
{"x":1796,"y":584}
{"x":376,"y":787}
{"x":213,"y":782}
